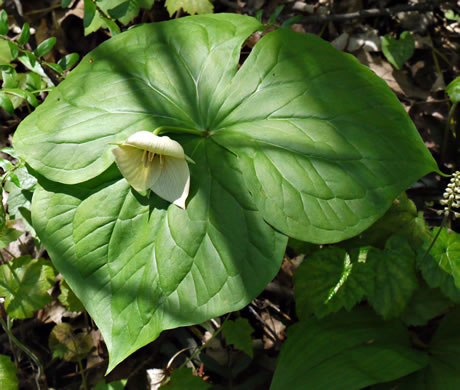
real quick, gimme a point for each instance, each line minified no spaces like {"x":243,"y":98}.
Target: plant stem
{"x":26,"y":350}
{"x":192,"y":356}
{"x":83,"y":376}
{"x":172,"y":129}
{"x":446,"y":131}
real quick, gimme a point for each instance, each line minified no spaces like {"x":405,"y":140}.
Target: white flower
{"x":148,"y":161}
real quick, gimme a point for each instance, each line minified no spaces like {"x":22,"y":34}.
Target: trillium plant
{"x":300,"y":140}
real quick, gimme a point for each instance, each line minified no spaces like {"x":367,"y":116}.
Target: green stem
{"x":192,"y":356}
{"x":443,"y":224}
{"x":83,"y":376}
{"x":446,"y":131}
{"x":171,"y":129}
{"x":26,"y":350}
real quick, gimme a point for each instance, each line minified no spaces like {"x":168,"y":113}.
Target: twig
{"x":26,"y":350}
{"x":368,"y":13}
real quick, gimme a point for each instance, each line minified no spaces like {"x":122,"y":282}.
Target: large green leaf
{"x":443,"y":370}
{"x":345,"y":351}
{"x":323,"y":143}
{"x":395,"y":278}
{"x":329,"y":280}
{"x":301,"y":136}
{"x":446,"y":252}
{"x":141,"y":267}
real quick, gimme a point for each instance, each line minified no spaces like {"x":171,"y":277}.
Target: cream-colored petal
{"x":156,"y":144}
{"x":174,"y":182}
{"x":130,"y":162}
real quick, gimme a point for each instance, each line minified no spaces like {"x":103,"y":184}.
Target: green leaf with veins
{"x":69,"y":345}
{"x":238,"y":333}
{"x":446,"y":252}
{"x":8,"y":376}
{"x":395,"y":278}
{"x":345,"y":351}
{"x":329,"y":280}
{"x":443,"y":370}
{"x":426,"y":304}
{"x":25,"y":283}
{"x":301,"y":140}
{"x":189,"y":6}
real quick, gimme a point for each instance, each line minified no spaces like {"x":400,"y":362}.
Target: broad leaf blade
{"x":141,"y":267}
{"x":395,"y":278}
{"x":329,"y":280}
{"x":443,"y":370}
{"x":446,"y":252}
{"x":321,"y":139}
{"x":345,"y":351}
{"x":168,"y":77}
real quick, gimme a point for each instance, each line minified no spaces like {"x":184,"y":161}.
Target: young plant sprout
{"x":151,"y":162}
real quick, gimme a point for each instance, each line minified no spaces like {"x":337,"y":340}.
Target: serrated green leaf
{"x":68,"y":61}
{"x":183,"y":378}
{"x":426,"y":304}
{"x":446,"y":252}
{"x":238,"y":333}
{"x":69,"y":345}
{"x":8,"y":235}
{"x":68,"y":298}
{"x":65,"y":3}
{"x":329,"y":280}
{"x":45,"y":47}
{"x":453,"y":90}
{"x":398,"y":51}
{"x":345,"y":351}
{"x":25,"y":34}
{"x":3,"y":22}
{"x":6,"y":104}
{"x":8,"y":377}
{"x":395,"y":278}
{"x":24,"y":284}
{"x":401,"y":218}
{"x":14,"y":50}
{"x":436,"y":277}
{"x":190,"y":6}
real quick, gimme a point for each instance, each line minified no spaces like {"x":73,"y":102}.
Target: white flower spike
{"x":148,"y":161}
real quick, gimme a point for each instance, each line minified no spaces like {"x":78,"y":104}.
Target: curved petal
{"x":130,"y":162}
{"x":174,"y":182}
{"x":156,"y":144}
